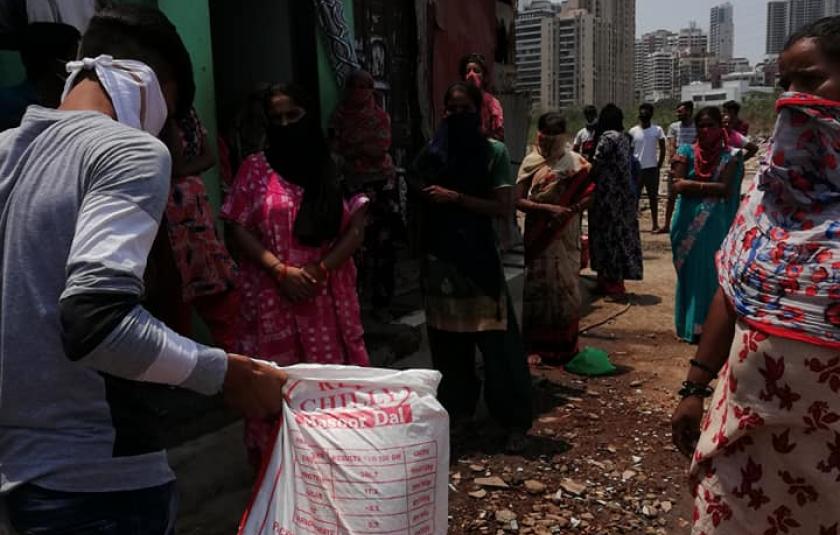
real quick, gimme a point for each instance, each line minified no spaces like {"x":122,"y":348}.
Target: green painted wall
{"x":330,"y":91}
{"x":11,"y":69}
{"x":193,"y":22}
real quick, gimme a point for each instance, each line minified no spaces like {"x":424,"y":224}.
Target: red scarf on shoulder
{"x":708,"y":149}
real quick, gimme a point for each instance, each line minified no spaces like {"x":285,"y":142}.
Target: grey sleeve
{"x":104,"y":327}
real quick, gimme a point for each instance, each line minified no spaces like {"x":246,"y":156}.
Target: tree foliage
{"x":758,"y":109}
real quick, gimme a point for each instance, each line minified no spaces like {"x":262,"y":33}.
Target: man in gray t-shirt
{"x":81,"y":197}
{"x":681,"y":133}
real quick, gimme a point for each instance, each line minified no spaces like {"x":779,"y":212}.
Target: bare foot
{"x":534,"y":361}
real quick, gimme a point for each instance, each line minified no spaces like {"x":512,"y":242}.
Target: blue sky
{"x":750,"y":20}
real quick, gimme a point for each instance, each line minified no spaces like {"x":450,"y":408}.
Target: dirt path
{"x":603,"y":443}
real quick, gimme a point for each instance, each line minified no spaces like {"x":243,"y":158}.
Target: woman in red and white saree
{"x":767,"y":457}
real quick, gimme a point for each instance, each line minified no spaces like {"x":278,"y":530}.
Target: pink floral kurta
{"x":325,"y":330}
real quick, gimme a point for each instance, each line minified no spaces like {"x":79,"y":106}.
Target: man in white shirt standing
{"x":649,"y":151}
{"x":681,"y":132}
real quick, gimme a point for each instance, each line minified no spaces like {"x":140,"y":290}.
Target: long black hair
{"x":610,"y":118}
{"x":300,"y":154}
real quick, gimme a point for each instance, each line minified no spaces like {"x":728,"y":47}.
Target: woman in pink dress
{"x":204,"y":268}
{"x":296,"y":236}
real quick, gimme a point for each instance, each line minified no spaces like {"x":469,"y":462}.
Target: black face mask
{"x":464,"y":131}
{"x":299,"y":154}
{"x":292,"y":149}
{"x":280,"y":134}
{"x":464,"y":124}
{"x":463,"y":152}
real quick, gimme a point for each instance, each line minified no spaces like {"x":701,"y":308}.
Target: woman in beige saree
{"x":553,"y":187}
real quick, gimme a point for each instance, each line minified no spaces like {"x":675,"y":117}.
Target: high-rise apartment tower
{"x":722,"y":31}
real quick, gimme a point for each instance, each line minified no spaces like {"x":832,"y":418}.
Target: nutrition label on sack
{"x":387,"y":491}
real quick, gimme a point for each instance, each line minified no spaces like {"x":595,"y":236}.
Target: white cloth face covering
{"x":133,"y":87}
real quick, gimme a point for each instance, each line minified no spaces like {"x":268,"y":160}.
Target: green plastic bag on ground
{"x":592,"y":362}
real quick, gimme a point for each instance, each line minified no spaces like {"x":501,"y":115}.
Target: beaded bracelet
{"x":694,"y":389}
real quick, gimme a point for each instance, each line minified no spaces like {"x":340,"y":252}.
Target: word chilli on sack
{"x":358,"y":451}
